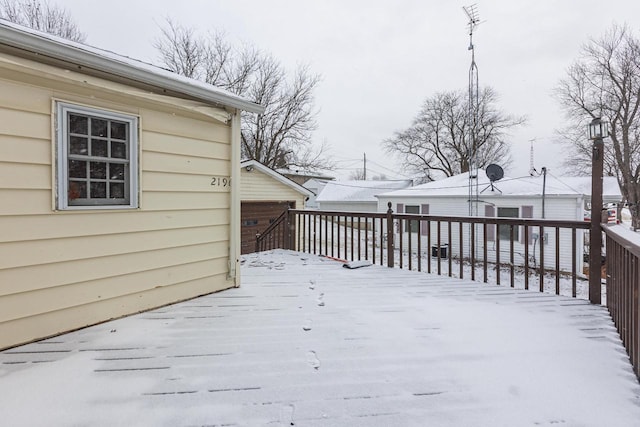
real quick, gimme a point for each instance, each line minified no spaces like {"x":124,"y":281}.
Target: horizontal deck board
{"x":307,"y":342}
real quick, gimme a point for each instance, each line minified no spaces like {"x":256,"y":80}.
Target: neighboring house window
{"x":97,"y":158}
{"x":412,"y":226}
{"x":504,"y":231}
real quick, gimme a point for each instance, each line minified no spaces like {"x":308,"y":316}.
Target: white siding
{"x":348,"y":206}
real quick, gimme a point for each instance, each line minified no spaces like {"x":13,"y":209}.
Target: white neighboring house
{"x":356,"y":196}
{"x":564,"y":199}
{"x":315,"y":185}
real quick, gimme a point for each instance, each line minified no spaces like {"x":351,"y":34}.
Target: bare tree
{"x":42,"y":16}
{"x":281,"y":136}
{"x":605,"y":82}
{"x":438,"y":142}
{"x":357,"y":175}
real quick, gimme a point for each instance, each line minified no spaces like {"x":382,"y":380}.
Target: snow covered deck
{"x":306,"y":342}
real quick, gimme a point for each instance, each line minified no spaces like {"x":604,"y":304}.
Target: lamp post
{"x":597,"y":132}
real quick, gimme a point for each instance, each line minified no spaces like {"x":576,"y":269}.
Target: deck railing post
{"x":595,"y":234}
{"x":290,"y":230}
{"x":390,"y":261}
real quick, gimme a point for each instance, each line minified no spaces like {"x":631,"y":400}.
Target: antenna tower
{"x":474,"y":104}
{"x":532,"y":168}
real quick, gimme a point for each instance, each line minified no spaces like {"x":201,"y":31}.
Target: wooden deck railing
{"x":277,"y":235}
{"x":623,"y":289}
{"x":482,"y":248}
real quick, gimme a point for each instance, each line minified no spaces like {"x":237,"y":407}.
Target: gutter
{"x":106,"y":62}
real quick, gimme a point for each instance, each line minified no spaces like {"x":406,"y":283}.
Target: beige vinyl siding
{"x":64,"y":270}
{"x":258,"y":186}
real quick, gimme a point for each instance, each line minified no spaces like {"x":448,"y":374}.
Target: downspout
{"x":234,"y":226}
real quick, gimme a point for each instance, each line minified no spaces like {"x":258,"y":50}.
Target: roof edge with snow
{"x":50,"y":46}
{"x":277,"y":176}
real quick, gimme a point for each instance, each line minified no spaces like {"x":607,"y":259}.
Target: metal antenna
{"x":474,"y":104}
{"x":532,"y":168}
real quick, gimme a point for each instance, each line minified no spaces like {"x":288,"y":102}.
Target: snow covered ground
{"x":305,"y":342}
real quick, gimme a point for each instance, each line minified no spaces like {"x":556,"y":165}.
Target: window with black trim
{"x":97,"y":158}
{"x":411,"y":226}
{"x":504,"y":231}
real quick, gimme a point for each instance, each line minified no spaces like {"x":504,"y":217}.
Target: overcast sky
{"x":379,"y":60}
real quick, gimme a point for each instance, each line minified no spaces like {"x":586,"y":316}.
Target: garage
{"x":256,"y":217}
{"x":264,"y":195}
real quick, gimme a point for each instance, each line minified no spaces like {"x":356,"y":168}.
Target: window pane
{"x":99,"y":148}
{"x":118,"y":130}
{"x":116,"y":190}
{"x":508,"y":212}
{"x":118,"y":150}
{"x":98,"y":127}
{"x":98,"y":171}
{"x":78,"y":124}
{"x":77,"y":169}
{"x":77,"y":190}
{"x":411,"y":226}
{"x":95,"y":152}
{"x":504,"y":231}
{"x":78,"y":145}
{"x":98,"y":190}
{"x":116,"y":171}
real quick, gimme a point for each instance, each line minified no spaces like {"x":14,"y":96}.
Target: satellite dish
{"x":494,"y":172}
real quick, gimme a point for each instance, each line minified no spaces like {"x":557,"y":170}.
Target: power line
{"x":390,"y":170}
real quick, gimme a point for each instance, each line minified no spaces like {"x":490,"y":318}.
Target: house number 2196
{"x":221,"y":181}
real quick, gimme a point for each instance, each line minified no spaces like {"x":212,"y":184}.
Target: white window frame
{"x":63,"y":109}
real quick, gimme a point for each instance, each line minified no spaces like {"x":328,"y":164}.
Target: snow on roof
{"x":582,"y":184}
{"x":458,"y":186}
{"x":248,"y":164}
{"x":50,"y":46}
{"x":359,"y":191}
{"x":315,"y":184}
{"x":304,"y":173}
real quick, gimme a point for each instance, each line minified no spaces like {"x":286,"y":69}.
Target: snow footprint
{"x":286,"y":415}
{"x":321,"y":300}
{"x":307,"y":325}
{"x":312,"y":284}
{"x":312,"y":360}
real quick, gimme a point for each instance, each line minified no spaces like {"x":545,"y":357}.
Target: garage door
{"x":255,"y":218}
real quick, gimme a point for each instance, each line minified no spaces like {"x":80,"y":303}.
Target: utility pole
{"x":365,"y":166}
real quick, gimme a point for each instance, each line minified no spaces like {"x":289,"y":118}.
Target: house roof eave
{"x":36,"y":43}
